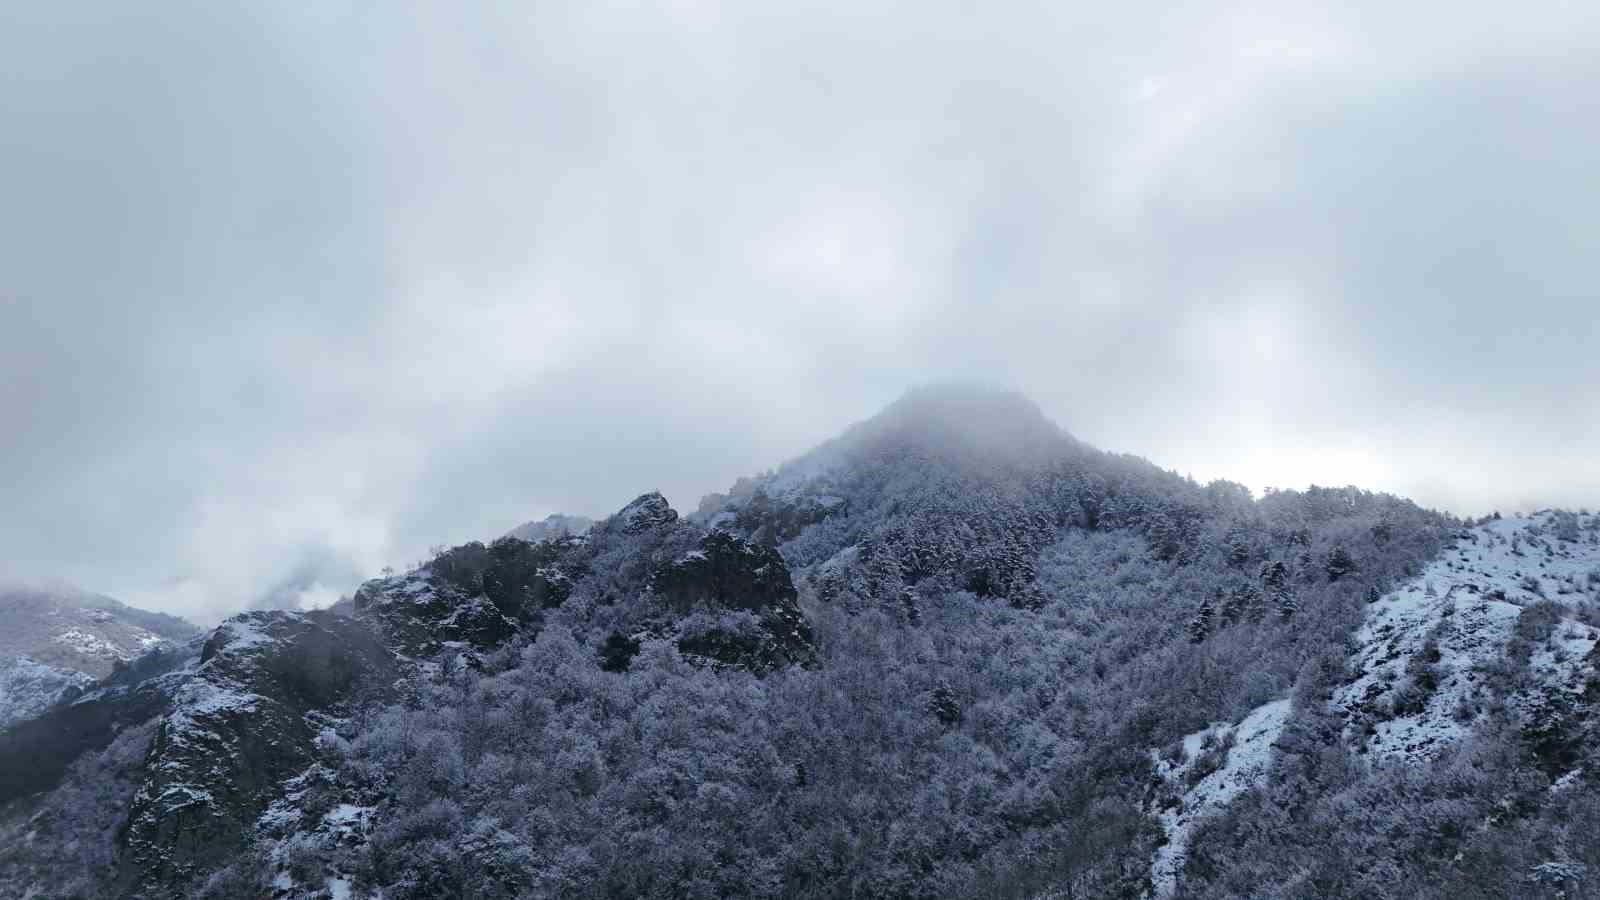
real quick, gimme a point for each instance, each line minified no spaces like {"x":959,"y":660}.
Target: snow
{"x":202,"y":698}
{"x":89,"y":644}
{"x":346,"y":817}
{"x":242,"y":633}
{"x":28,"y":688}
{"x":1468,"y":602}
{"x":195,"y":707}
{"x":339,"y":888}
{"x":1244,"y":767}
{"x":1469,"y":599}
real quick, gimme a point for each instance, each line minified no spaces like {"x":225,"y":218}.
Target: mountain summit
{"x":964,"y":418}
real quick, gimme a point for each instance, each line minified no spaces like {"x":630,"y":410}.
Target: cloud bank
{"x":289,"y":295}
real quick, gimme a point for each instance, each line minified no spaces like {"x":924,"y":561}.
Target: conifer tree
{"x":1275,"y":585}
{"x":1200,"y":625}
{"x":1340,"y":563}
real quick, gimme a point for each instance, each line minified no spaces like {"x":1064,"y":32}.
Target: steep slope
{"x":1206,"y":771}
{"x":1429,"y":651}
{"x":242,"y":724}
{"x":1479,"y":670}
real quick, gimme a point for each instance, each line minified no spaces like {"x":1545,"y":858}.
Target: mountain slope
{"x":1463,"y":720}
{"x":72,"y":629}
{"x":60,"y":640}
{"x":927,"y":659}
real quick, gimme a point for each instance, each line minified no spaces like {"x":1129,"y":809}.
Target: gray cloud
{"x":288,"y":296}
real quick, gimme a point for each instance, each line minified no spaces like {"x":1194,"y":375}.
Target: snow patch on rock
{"x":88,"y":644}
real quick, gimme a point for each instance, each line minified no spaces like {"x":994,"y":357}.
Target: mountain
{"x":953,"y":652}
{"x":230,"y":724}
{"x":60,"y":639}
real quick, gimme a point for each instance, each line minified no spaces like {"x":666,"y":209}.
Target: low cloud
{"x":293,"y":295}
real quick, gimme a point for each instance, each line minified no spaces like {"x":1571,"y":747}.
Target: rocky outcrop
{"x":419,"y":615}
{"x":647,"y":512}
{"x":777,"y":520}
{"x":727,"y":574}
{"x":235,"y":731}
{"x":472,"y":594}
{"x":237,"y":719}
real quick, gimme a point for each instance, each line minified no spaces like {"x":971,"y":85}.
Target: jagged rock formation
{"x":647,"y":512}
{"x":726,"y":573}
{"x":236,"y":730}
{"x":238,"y":716}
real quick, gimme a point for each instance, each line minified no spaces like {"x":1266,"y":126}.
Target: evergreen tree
{"x":1275,"y":586}
{"x":1340,"y":563}
{"x":1200,"y":625}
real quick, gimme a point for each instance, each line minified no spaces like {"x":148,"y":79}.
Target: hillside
{"x":61,"y":639}
{"x":952,"y":652}
{"x":1490,"y":649}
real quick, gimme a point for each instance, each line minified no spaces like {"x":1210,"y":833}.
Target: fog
{"x":290,"y":295}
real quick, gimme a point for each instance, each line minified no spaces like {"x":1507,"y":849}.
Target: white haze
{"x":292,"y":293}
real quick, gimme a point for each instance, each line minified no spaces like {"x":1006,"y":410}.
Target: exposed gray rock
{"x":235,"y":732}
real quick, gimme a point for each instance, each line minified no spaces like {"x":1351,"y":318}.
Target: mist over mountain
{"x":951,"y":652}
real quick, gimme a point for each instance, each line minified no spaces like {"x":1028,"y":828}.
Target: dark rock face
{"x":775,"y":521}
{"x":419,"y":614}
{"x":645,"y":513}
{"x":471,"y":594}
{"x":729,"y":574}
{"x":726,"y":573}
{"x":523,"y":578}
{"x":235,"y":731}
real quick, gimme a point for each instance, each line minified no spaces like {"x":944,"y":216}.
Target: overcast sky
{"x":287,"y":295}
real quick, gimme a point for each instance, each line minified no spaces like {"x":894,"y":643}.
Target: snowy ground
{"x":1468,"y":602}
{"x":1455,"y":618}
{"x":28,"y":688}
{"x":1243,"y":765}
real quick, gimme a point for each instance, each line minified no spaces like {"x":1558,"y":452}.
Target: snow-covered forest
{"x":952,"y":653}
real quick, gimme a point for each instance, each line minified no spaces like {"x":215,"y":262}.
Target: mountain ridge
{"x":928,"y":657}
